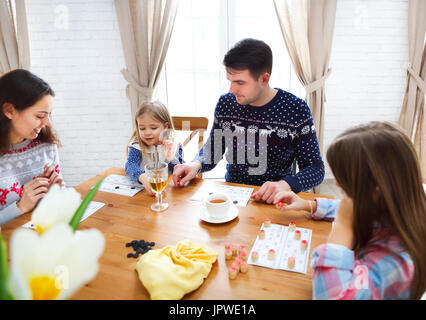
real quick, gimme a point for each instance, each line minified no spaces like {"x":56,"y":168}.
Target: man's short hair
{"x":254,"y":55}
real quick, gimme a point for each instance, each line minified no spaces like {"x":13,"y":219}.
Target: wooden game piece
{"x":236,"y":265}
{"x":242,"y":249}
{"x":303,"y":245}
{"x":291,"y":262}
{"x":292,"y":226}
{"x":297,"y":235}
{"x":243,"y":256}
{"x":262,"y":234}
{"x":254,"y":255}
{"x":267,"y":223}
{"x":234,"y":249}
{"x":232,"y":272}
{"x":280,"y":205}
{"x":243,"y":267}
{"x":227,"y":245}
{"x":271,"y":254}
{"x":228,"y":254}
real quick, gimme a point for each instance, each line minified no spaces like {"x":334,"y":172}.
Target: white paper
{"x":91,"y":208}
{"x":281,"y":239}
{"x":239,"y":195}
{"x":120,"y":185}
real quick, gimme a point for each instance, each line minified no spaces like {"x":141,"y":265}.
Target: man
{"x":263,"y":130}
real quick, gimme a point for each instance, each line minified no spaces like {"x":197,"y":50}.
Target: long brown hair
{"x":159,"y":112}
{"x":376,"y":165}
{"x":22,"y":89}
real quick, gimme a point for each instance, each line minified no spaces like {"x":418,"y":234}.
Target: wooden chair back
{"x":197,"y":125}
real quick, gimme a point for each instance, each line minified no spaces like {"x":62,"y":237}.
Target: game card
{"x":91,"y":208}
{"x":289,"y":252}
{"x":120,"y":185}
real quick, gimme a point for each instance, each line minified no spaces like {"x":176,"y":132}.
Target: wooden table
{"x":124,"y":218}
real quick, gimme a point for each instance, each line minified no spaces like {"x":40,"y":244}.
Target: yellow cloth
{"x":172,"y":272}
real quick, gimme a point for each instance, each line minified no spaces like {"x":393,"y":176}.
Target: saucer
{"x":232,"y":214}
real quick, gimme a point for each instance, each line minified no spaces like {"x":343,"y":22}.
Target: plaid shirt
{"x":384,"y":271}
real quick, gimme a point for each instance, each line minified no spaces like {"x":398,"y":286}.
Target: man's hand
{"x":269,"y":190}
{"x":183,"y":173}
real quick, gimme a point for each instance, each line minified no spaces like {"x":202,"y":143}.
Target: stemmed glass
{"x":158,"y":174}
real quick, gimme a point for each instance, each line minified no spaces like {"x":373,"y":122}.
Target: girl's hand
{"x":144,"y":180}
{"x":291,"y":201}
{"x":32,"y":192}
{"x":343,"y":230}
{"x":169,"y":149}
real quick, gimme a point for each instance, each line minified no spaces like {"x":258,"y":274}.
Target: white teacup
{"x":217,"y":205}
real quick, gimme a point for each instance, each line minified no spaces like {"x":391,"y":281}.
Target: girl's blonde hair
{"x":377,"y":166}
{"x":158,"y":111}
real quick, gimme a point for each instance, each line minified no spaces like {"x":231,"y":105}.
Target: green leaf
{"x":4,"y":295}
{"x":75,"y":221}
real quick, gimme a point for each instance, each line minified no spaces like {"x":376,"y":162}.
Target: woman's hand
{"x":51,"y":174}
{"x":32,"y":192}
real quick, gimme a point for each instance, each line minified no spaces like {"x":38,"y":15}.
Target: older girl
{"x":29,"y":162}
{"x":376,"y":248}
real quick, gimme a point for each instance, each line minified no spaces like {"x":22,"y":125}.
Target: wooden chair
{"x":197,"y":125}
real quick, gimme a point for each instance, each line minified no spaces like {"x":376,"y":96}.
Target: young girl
{"x":29,"y":162}
{"x":376,"y":248}
{"x":154,"y":131}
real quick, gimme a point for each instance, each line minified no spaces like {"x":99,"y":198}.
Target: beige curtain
{"x":307,"y":27}
{"x":412,"y":116}
{"x":14,"y":41}
{"x":145,"y":27}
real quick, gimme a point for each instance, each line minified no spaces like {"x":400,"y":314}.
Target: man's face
{"x":246,"y":89}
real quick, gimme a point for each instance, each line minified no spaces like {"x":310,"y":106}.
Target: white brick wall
{"x":91,"y":111}
{"x":368,"y":62}
{"x":82,"y":64}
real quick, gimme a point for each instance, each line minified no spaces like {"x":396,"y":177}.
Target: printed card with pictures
{"x":291,"y":252}
{"x":91,"y":208}
{"x":120,"y":185}
{"x":239,"y":195}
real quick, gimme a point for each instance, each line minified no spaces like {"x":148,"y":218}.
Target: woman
{"x":29,"y":162}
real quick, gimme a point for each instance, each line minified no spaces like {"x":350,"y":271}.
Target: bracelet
{"x":310,"y":205}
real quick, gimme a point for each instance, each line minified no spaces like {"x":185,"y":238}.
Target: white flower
{"x":53,"y":265}
{"x":59,"y":205}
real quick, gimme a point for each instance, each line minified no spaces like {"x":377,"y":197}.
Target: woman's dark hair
{"x":254,"y":55}
{"x":22,"y":89}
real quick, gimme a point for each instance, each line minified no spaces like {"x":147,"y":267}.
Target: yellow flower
{"x":53,"y":265}
{"x":58,"y":206}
